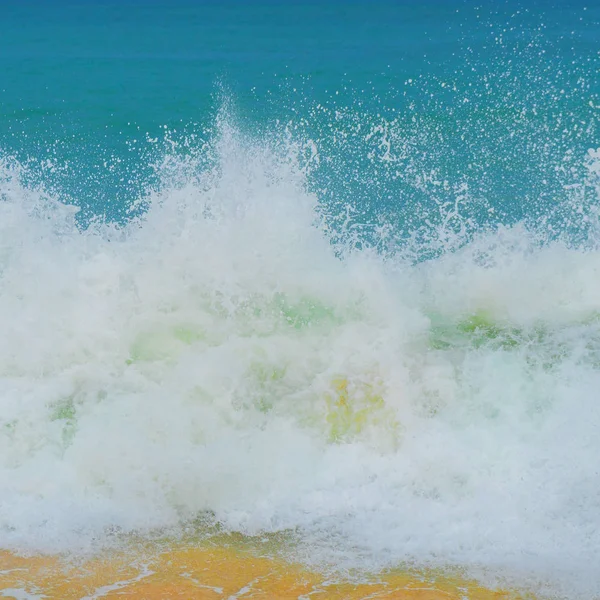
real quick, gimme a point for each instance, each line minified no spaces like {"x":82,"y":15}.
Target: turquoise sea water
{"x":493,"y":96}
{"x":323,"y":268}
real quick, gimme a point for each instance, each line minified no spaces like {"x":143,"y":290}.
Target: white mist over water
{"x":217,"y":355}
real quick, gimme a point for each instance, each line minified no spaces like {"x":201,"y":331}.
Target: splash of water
{"x":216,"y":354}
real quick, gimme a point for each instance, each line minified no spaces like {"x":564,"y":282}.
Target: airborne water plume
{"x":220,"y":354}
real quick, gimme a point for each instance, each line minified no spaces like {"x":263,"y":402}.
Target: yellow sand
{"x":210,"y":573}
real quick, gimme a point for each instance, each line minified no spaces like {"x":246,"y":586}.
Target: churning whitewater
{"x":220,"y":353}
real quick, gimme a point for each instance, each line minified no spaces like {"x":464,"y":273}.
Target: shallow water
{"x":223,"y":570}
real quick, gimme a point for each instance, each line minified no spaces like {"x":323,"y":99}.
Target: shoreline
{"x":216,"y":571}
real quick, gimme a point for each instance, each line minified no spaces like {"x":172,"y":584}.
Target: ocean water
{"x":328,"y":270}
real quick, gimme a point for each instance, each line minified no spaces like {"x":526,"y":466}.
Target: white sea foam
{"x":217,"y":355}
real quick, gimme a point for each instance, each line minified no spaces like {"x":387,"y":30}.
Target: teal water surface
{"x":491,"y":95}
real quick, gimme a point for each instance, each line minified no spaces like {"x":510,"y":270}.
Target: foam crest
{"x":215,"y":354}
